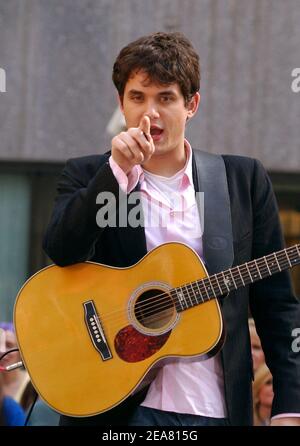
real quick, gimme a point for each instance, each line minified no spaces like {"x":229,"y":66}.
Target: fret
{"x":188,"y":295}
{"x":272,"y":265}
{"x":235,"y":286}
{"x":253,"y":270}
{"x":181,"y":298}
{"x":288,"y":259}
{"x":215,"y":276}
{"x":203,"y":281}
{"x":211,"y":287}
{"x":203,"y":290}
{"x":294,"y":251}
{"x":257,"y":267}
{"x":200,"y":294}
{"x":192,"y":288}
{"x":277,"y":261}
{"x":246,"y":264}
{"x":238,"y":268}
{"x":236,"y":277}
{"x":175,"y":299}
{"x":222,"y":283}
{"x":283,"y":259}
{"x":264,"y":257}
{"x":226,"y":281}
{"x":194,"y":292}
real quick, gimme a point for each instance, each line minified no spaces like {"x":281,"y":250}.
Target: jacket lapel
{"x":209,"y":176}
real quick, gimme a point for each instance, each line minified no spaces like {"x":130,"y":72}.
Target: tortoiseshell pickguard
{"x":133,"y":346}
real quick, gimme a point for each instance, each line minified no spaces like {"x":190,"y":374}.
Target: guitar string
{"x":150,"y":317}
{"x":155,"y":316}
{"x":187,"y":293}
{"x":141,"y":306}
{"x":159,"y":316}
{"x":263,"y":269}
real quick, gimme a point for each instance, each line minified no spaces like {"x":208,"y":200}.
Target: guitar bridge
{"x":95,"y":330}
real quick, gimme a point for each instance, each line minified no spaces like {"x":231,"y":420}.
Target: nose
{"x":152,"y":111}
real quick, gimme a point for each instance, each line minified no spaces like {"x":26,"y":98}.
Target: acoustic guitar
{"x":89,"y":334}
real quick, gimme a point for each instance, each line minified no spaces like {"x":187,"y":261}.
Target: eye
{"x":166,"y":99}
{"x":137,"y":98}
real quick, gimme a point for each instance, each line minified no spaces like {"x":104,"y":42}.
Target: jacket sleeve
{"x":272,"y":303}
{"x":73,"y":230}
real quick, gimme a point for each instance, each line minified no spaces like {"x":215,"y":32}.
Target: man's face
{"x":165,"y":107}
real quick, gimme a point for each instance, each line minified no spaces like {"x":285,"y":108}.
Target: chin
{"x":161,"y":148}
{"x":158,"y":150}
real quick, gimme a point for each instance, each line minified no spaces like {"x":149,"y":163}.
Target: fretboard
{"x":211,"y":287}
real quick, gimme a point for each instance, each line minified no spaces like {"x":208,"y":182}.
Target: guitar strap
{"x":209,"y":176}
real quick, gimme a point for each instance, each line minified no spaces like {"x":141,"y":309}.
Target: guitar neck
{"x":211,"y":287}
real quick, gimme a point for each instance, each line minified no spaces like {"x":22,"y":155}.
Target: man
{"x":158,"y":78}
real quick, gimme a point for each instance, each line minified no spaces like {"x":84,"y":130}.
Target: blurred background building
{"x":60,"y":101}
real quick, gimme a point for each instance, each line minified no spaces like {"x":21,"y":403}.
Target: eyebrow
{"x":161,"y":93}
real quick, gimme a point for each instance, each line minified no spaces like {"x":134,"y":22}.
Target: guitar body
{"x":89,"y":333}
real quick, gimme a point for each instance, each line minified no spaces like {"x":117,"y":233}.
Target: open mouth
{"x":156,"y":133}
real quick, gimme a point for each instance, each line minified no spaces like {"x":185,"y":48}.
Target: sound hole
{"x":154,"y":308}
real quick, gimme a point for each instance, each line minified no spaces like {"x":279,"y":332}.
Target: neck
{"x":166,"y":164}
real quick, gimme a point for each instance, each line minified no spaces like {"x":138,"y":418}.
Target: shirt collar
{"x":186,"y":171}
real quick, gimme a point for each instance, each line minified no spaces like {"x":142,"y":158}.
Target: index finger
{"x":144,"y":125}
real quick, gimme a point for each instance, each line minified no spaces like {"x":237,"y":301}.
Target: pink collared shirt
{"x":188,"y":386}
{"x":191,"y":386}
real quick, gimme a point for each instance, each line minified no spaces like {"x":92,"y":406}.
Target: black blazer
{"x":73,"y":236}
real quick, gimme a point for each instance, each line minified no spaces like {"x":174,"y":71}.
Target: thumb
{"x":145,"y":125}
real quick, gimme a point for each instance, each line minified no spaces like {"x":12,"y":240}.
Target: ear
{"x":193,"y":105}
{"x":120,"y":101}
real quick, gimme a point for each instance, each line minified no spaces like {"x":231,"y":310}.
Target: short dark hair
{"x":167,"y":58}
